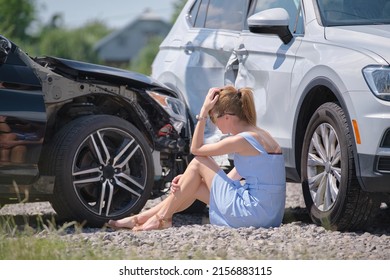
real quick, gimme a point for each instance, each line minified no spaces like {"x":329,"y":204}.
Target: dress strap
{"x":253,"y":141}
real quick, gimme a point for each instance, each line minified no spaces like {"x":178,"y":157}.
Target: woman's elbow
{"x":194,"y":151}
{"x":198,"y":151}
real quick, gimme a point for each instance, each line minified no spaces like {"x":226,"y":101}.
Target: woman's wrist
{"x":204,"y":112}
{"x":200,"y":117}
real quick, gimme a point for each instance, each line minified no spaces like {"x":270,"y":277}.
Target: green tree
{"x":144,"y":60}
{"x":77,"y":44}
{"x":16,"y":17}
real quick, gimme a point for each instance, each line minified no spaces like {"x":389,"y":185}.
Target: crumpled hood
{"x":367,"y":38}
{"x":104,"y":73}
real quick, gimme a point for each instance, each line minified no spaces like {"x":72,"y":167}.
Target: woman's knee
{"x":193,"y":166}
{"x":206,"y":167}
{"x":199,"y":161}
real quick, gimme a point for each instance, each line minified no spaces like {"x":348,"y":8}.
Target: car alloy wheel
{"x":109,"y":170}
{"x":103,"y":169}
{"x":324,"y":167}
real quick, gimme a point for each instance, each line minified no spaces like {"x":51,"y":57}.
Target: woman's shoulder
{"x":263,"y":139}
{"x":250,"y":135}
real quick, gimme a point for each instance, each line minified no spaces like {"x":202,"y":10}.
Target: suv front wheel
{"x":104,"y":170}
{"x":333,"y":196}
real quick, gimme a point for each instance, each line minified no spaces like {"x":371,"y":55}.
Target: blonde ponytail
{"x":248,"y":105}
{"x":237,"y":102}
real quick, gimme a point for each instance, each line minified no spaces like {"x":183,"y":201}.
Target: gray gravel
{"x":192,"y":237}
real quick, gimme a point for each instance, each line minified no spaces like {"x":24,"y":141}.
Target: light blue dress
{"x":260,"y":201}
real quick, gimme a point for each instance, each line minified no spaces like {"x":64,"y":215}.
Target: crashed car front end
{"x":159,"y":112}
{"x":112,"y":138}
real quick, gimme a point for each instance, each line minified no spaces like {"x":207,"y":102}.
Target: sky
{"x":115,"y":13}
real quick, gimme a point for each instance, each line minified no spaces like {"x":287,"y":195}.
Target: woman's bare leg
{"x":200,"y":190}
{"x":132,"y":221}
{"x":194,"y":184}
{"x":139,"y":219}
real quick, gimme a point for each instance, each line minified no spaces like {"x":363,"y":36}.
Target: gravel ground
{"x":192,"y":237}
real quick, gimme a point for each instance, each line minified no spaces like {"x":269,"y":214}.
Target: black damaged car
{"x":95,"y":141}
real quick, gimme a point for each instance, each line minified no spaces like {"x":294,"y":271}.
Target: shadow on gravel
{"x":296,"y":214}
{"x":380,"y":223}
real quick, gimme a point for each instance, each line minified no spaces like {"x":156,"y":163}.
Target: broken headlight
{"x":173,"y":106}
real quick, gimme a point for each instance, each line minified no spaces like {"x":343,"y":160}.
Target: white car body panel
{"x":281,"y":73}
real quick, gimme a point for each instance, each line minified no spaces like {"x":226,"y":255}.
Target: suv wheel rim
{"x":324,"y":167}
{"x":109,"y":172}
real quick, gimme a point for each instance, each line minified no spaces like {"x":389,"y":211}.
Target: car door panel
{"x":266,"y":68}
{"x":207,"y":63}
{"x":265,"y":64}
{"x":22,"y":122}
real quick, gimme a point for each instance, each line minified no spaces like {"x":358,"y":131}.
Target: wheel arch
{"x":97,"y":104}
{"x":316,"y":93}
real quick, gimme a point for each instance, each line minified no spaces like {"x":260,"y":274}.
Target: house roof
{"x":147,"y":16}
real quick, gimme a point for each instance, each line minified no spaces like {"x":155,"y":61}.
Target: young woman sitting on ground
{"x":252,"y":194}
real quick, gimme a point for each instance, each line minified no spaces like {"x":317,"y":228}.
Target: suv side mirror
{"x":5,"y":48}
{"x":271,"y":21}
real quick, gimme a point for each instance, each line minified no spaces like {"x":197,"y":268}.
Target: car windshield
{"x":354,"y":12}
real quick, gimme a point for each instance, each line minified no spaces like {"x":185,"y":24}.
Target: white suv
{"x":321,"y":77}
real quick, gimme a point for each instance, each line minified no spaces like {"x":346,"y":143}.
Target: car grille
{"x":383,"y":164}
{"x":385,"y":143}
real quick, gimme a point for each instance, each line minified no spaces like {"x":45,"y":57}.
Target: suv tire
{"x":330,"y":188}
{"x":84,"y":170}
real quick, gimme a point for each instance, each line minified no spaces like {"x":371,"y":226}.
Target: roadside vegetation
{"x":41,"y":243}
{"x":20,"y":22}
{"x":45,"y":242}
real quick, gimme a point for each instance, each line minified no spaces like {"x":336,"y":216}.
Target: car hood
{"x":75,"y":69}
{"x":366,"y":38}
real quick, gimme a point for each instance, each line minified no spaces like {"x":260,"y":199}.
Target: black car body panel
{"x":15,"y":72}
{"x":22,"y":123}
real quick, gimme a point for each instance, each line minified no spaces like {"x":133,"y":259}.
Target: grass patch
{"x":31,"y":248}
{"x":48,"y":241}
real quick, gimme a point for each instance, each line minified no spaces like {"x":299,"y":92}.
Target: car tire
{"x":103,"y":168}
{"x":332,"y":194}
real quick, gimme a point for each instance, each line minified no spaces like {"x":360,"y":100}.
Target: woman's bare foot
{"x":156,"y":222}
{"x":128,"y":222}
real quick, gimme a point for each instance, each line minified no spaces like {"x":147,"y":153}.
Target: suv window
{"x":293,"y":8}
{"x":215,"y":14}
{"x":354,"y":12}
{"x":195,"y":14}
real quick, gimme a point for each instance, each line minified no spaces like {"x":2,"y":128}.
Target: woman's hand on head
{"x":211,"y":99}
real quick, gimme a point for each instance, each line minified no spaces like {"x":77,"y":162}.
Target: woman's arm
{"x":229,"y":145}
{"x":208,"y":104}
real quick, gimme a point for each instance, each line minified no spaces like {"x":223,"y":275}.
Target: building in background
{"x":120,"y":47}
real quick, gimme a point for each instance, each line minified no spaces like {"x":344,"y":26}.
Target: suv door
{"x":265,"y":65}
{"x":195,"y":55}
{"x":203,"y":48}
{"x":218,"y":28}
{"x":22,"y":120}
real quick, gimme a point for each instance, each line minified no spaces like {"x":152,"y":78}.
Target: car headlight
{"x":173,"y":106}
{"x":378,"y":79}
